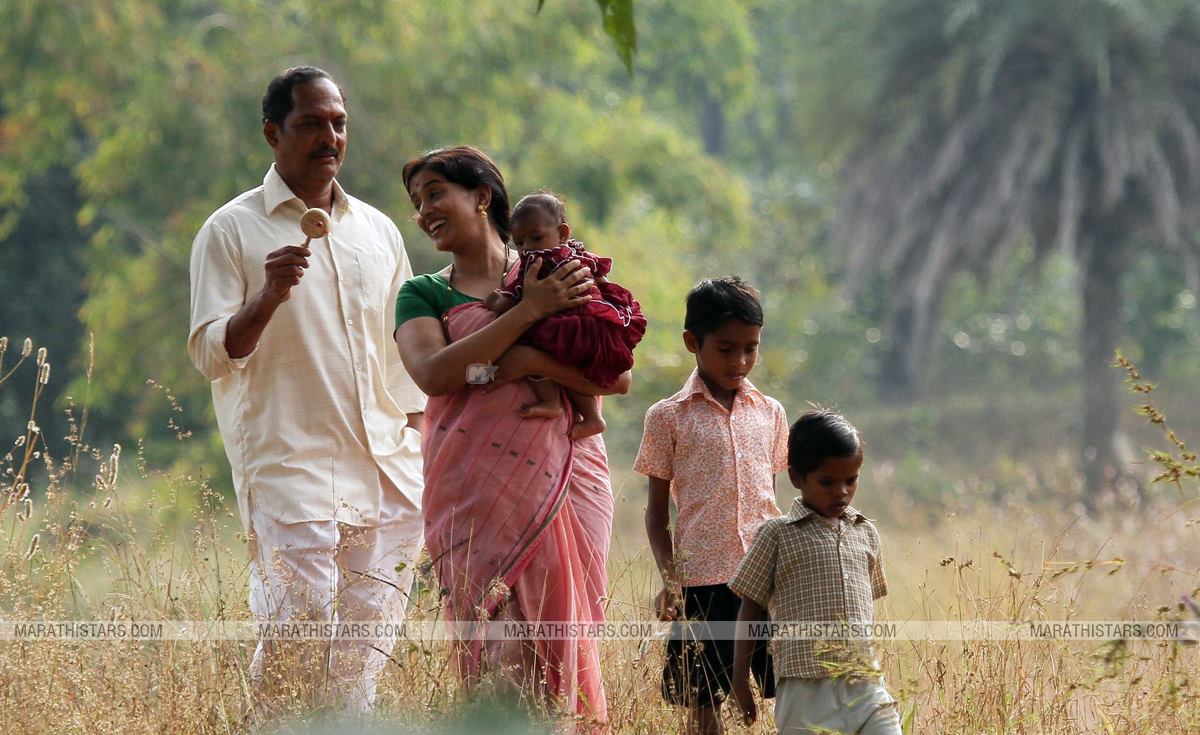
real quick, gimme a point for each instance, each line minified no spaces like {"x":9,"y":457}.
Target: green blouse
{"x":427,"y":295}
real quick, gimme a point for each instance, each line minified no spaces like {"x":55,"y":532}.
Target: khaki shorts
{"x":810,"y":706}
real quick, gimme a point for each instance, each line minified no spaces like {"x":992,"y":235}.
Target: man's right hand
{"x":285,"y":267}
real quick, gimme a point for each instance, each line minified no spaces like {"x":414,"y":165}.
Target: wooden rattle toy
{"x":314,"y":223}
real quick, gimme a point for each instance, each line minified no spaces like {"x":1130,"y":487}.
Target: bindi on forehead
{"x":419,"y":186}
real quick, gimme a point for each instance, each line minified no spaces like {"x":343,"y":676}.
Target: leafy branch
{"x":618,"y":25}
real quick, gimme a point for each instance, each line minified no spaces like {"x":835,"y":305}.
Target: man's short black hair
{"x":277,"y":102}
{"x":715,"y":301}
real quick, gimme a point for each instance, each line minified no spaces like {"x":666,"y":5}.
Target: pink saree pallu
{"x":517,"y":523}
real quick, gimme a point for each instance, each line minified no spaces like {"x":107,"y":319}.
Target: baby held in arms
{"x":598,"y":337}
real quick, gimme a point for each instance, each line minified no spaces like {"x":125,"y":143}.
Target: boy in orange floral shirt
{"x":713,"y":448}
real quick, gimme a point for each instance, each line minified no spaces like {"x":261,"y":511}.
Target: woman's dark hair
{"x":545,"y":203}
{"x":470,"y":168}
{"x":818,"y":435}
{"x":277,"y":103}
{"x":717,"y":300}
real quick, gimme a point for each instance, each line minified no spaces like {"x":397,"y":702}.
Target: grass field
{"x":133,"y":543}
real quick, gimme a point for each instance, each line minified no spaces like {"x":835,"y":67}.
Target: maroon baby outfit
{"x":597,"y":337}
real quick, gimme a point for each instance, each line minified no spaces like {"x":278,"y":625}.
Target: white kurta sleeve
{"x":218,"y":292}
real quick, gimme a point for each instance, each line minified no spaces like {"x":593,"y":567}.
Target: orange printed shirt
{"x":721,"y":465}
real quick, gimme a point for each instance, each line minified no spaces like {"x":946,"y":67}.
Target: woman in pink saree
{"x":517,"y":516}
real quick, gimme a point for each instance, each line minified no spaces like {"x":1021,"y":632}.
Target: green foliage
{"x":617,"y":19}
{"x":618,"y":24}
{"x":987,"y":127}
{"x":156,"y":119}
{"x":124,"y":123}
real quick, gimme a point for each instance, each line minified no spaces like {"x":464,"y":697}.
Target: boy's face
{"x":727,"y":354}
{"x":537,"y":232}
{"x":829,"y":488}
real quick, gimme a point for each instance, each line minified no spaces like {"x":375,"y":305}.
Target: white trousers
{"x":331,"y":572}
{"x":835,"y":705}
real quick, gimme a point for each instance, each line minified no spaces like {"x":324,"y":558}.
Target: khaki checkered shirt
{"x":803,"y":568}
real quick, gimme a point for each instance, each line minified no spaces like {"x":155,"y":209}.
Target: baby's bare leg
{"x":588,"y":409}
{"x":548,"y":404}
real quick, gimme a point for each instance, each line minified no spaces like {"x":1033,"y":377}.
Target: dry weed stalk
{"x":145,"y":545}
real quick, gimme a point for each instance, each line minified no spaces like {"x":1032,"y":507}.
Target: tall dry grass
{"x":98,"y":535}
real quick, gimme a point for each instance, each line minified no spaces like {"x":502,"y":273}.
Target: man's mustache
{"x":324,"y":152}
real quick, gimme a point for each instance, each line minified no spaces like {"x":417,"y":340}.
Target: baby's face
{"x":535,"y":232}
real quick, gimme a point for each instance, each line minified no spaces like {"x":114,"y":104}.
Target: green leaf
{"x":618,"y":24}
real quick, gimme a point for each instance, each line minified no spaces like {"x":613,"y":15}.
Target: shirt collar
{"x":696,"y":385}
{"x":276,"y":192}
{"x":799,"y":511}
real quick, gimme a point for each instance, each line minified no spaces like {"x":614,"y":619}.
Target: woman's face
{"x":447,"y":212}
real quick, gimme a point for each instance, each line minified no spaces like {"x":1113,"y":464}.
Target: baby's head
{"x":539,"y":221}
{"x":825,"y":455}
{"x":722,"y":326}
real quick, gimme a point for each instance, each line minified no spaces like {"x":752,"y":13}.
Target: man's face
{"x":311,"y":143}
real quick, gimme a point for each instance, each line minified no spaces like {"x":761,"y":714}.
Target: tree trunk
{"x":1102,"y":266}
{"x":912,"y":328}
{"x":898,"y":375}
{"x":712,"y":125}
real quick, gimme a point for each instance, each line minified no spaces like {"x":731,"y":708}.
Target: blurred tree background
{"x":928,"y":193}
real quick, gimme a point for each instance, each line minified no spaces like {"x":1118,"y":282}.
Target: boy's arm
{"x":743,"y":652}
{"x":658,"y":530}
{"x":779,"y":452}
{"x":879,"y":585}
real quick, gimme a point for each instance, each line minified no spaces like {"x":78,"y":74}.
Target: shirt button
{"x":358,"y":365}
{"x":350,"y":322}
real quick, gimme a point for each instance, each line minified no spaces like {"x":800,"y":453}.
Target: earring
{"x":482,"y":211}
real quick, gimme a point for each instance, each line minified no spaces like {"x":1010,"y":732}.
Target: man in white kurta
{"x":319,"y":419}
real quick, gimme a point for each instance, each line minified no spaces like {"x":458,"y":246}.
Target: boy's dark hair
{"x":277,"y":102}
{"x":818,"y":435}
{"x":543,"y":202}
{"x":471,"y":168}
{"x":715,"y":301}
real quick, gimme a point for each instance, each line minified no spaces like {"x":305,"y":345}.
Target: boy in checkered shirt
{"x":713,"y":448}
{"x":820,"y":563}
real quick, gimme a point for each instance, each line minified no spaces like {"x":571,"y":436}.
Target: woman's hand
{"x":566,"y":287}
